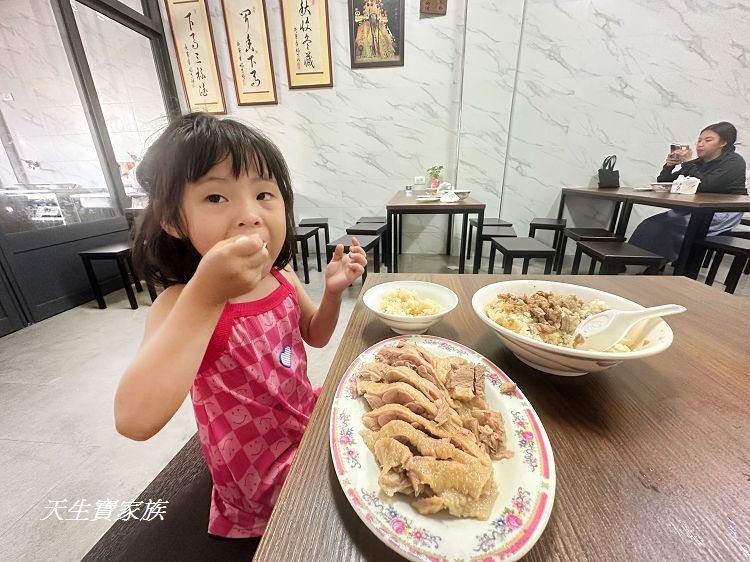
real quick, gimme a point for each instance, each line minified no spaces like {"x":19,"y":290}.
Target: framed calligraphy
{"x":196,"y":55}
{"x":376,"y":33}
{"x":250,"y":47}
{"x":307,"y":43}
{"x":433,"y":7}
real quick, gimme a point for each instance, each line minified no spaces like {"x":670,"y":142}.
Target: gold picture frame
{"x":246,"y":23}
{"x":307,"y":43}
{"x":196,"y":55}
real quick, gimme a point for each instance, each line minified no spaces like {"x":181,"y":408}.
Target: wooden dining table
{"x":406,"y":203}
{"x":651,"y":455}
{"x":702,"y":207}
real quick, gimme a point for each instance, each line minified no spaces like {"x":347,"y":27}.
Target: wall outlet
{"x":418,"y":180}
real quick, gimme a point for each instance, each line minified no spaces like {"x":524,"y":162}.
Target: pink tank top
{"x":252,"y":401}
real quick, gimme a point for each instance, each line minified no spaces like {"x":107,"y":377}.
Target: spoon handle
{"x":662,"y":310}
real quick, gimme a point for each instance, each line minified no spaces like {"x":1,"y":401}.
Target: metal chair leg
{"x":525,"y":268}
{"x":561,"y":254}
{"x":576,"y":261}
{"x":468,"y":246}
{"x":317,"y":248}
{"x":491,"y":267}
{"x":735,"y":272}
{"x":714,"y":268}
{"x":548,"y":263}
{"x":507,"y":264}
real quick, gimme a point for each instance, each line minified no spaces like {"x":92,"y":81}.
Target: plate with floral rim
{"x":526,"y":482}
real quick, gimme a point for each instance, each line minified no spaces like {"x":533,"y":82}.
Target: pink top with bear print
{"x":252,"y":401}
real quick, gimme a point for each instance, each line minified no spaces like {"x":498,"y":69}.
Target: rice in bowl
{"x":546,"y":316}
{"x":403,"y":302}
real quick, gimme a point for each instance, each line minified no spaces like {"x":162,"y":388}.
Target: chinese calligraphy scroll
{"x":307,"y":43}
{"x":196,"y":55}
{"x":247,"y":34}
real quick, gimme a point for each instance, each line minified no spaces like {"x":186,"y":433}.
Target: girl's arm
{"x":156,"y":383}
{"x":177,"y":333}
{"x":318,"y":323}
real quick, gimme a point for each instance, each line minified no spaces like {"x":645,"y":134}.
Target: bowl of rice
{"x":536,"y":320}
{"x":410,"y":307}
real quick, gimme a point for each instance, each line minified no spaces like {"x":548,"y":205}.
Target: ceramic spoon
{"x":602,"y":331}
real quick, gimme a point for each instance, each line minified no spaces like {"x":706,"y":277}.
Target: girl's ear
{"x":171,"y":230}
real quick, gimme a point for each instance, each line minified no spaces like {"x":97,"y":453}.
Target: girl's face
{"x":709,"y":145}
{"x":219,"y":206}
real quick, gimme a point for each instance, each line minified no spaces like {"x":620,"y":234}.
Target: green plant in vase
{"x":435,"y":173}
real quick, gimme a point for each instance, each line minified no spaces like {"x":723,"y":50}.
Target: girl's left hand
{"x":345,"y":268}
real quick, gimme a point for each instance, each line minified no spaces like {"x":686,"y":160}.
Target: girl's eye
{"x":265,"y":196}
{"x":215,"y":198}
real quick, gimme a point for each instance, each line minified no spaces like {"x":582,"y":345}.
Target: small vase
{"x":435,"y":183}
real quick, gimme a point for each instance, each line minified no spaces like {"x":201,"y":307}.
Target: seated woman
{"x":720,"y":169}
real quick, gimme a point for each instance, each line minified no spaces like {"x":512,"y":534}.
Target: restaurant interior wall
{"x":544,"y":92}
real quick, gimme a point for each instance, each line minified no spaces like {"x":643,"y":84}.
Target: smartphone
{"x":676,"y":146}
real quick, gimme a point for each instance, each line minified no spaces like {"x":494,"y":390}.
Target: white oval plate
{"x":526,"y":482}
{"x":427,"y":198}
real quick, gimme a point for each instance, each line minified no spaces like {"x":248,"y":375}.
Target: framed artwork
{"x":196,"y":55}
{"x":433,"y":7}
{"x":307,"y":43}
{"x":376,"y":33}
{"x":250,"y":49}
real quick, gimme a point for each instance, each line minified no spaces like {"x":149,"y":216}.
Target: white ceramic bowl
{"x":462,"y":193}
{"x":411,"y":324}
{"x":556,"y":359}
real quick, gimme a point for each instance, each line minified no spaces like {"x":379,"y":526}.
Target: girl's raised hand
{"x":232,"y":268}
{"x":343,"y":268}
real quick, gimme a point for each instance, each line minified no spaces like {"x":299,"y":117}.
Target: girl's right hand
{"x":672,"y":159}
{"x":232,"y":268}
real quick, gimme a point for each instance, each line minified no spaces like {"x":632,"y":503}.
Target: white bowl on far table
{"x":462,"y":193}
{"x":566,"y":361}
{"x":411,"y":324}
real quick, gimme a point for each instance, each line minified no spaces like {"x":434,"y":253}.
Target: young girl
{"x":230,"y":326}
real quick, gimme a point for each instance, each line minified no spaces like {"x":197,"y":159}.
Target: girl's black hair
{"x":187,"y":149}
{"x":727,"y":132}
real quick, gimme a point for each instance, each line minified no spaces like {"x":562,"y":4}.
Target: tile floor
{"x":57,"y":437}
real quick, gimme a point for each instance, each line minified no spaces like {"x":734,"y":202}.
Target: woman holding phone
{"x":720,"y":169}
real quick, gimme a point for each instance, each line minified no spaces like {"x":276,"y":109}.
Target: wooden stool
{"x":474,"y":223}
{"x":526,"y":248}
{"x":302,"y":234}
{"x":317,"y":222}
{"x":367,"y":242}
{"x":372,"y":219}
{"x":121,"y":254}
{"x":490,"y":232}
{"x":375,"y":229}
{"x":613,"y":255}
{"x":583,"y":235}
{"x":556,"y":225}
{"x":737,"y":247}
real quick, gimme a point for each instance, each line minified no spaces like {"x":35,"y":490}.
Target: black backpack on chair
{"x":608,"y":176}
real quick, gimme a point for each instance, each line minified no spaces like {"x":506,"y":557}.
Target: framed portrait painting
{"x":376,"y":33}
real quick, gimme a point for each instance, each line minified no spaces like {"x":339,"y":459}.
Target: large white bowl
{"x":556,"y":359}
{"x":411,"y":324}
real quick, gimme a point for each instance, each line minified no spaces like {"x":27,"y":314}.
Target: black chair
{"x":302,"y":234}
{"x":374,"y":229}
{"x":474,"y":223}
{"x":367,"y":242}
{"x":555,"y":225}
{"x":745,"y":221}
{"x":121,"y":254}
{"x":372,"y":219}
{"x":320,"y":223}
{"x":614,"y":255}
{"x":734,"y":246}
{"x":583,"y":235}
{"x":526,"y":248}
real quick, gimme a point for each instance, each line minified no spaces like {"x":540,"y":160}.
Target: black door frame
{"x":149,"y":24}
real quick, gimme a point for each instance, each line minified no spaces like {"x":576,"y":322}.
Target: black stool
{"x":474,"y":223}
{"x":121,"y":254}
{"x":556,"y":225}
{"x":583,"y":235}
{"x":613,"y":255}
{"x":526,"y":248}
{"x":375,"y":229}
{"x":490,"y":232}
{"x":318,"y":222}
{"x":367,"y":242}
{"x":302,"y":234}
{"x":372,"y":219}
{"x":745,"y":221}
{"x":737,"y":247}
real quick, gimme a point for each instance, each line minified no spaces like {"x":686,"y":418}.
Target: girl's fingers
{"x":338,"y":253}
{"x":355,"y":243}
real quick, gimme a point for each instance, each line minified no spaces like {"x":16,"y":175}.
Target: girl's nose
{"x":248,"y":216}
